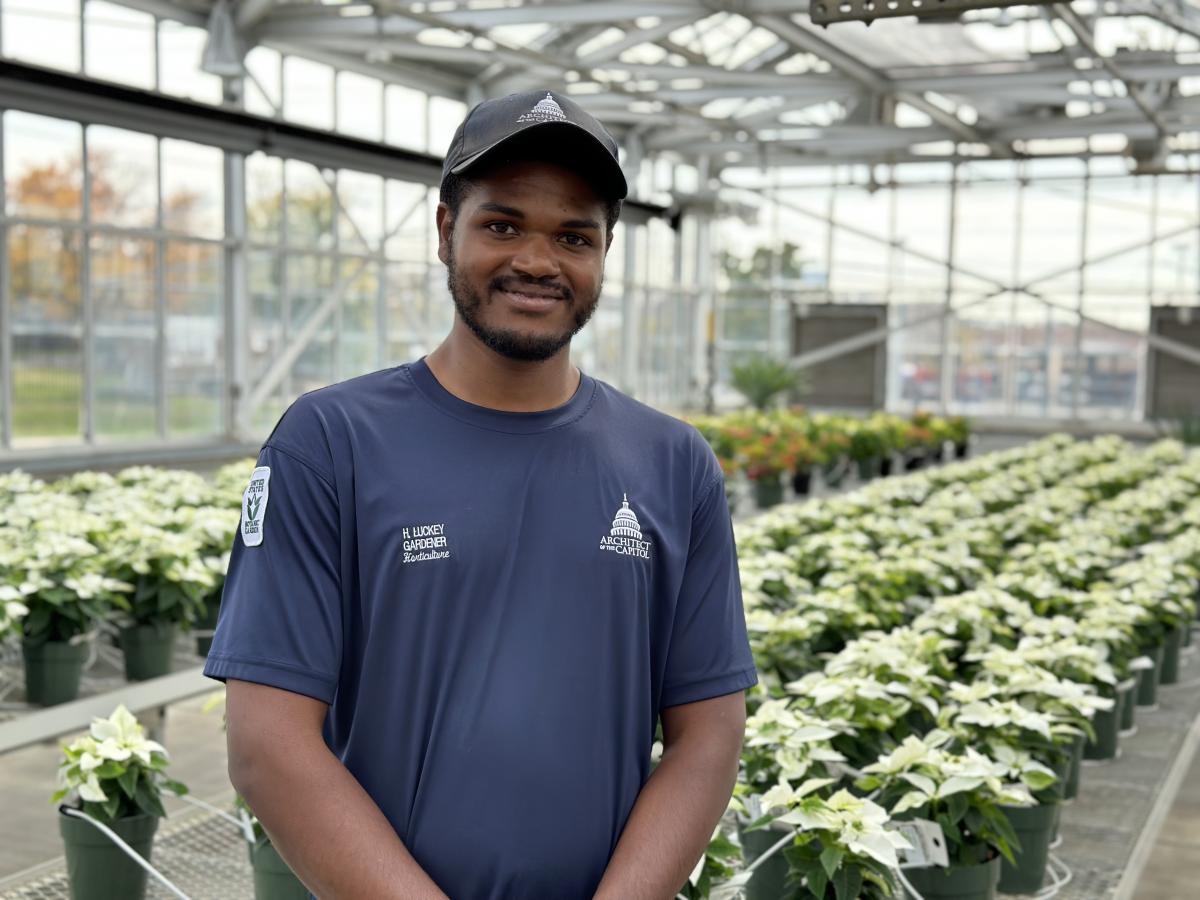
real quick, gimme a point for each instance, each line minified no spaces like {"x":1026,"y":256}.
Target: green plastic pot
{"x":1147,"y":693}
{"x":1107,"y":725}
{"x":148,"y":650}
{"x":273,"y":880}
{"x":52,"y":671}
{"x":97,"y":868}
{"x":207,"y":622}
{"x":768,"y":880}
{"x":1171,"y":651}
{"x":768,"y":492}
{"x":968,"y":883}
{"x":1034,"y":826}
{"x":1074,"y":768}
{"x":867,"y":468}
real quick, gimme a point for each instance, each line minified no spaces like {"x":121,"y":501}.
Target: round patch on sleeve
{"x":254,"y":506}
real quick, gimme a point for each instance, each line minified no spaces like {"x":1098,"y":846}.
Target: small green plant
{"x":760,"y":380}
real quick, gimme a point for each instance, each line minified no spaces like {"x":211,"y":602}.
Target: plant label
{"x":928,"y":841}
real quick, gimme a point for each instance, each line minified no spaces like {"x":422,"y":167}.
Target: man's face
{"x":525,"y":257}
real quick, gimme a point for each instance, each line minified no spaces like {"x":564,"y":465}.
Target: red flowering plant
{"x":768,"y":454}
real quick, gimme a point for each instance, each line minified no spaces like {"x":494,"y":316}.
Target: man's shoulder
{"x":654,"y":422}
{"x":318,"y":417}
{"x":675,"y":437}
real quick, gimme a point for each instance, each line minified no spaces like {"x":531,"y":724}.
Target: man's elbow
{"x":244,"y":765}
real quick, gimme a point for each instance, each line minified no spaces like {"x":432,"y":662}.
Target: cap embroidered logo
{"x":546,"y":110}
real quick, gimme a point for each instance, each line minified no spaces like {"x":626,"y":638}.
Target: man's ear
{"x":445,"y":229}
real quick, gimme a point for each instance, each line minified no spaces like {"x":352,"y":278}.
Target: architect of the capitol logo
{"x":625,"y":536}
{"x":546,"y":110}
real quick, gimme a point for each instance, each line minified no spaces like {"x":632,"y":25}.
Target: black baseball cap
{"x":542,"y":122}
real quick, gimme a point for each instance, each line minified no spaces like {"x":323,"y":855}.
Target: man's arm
{"x":682,"y":801}
{"x":319,"y":818}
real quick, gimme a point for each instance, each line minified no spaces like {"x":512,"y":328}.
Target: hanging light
{"x":223,"y":50}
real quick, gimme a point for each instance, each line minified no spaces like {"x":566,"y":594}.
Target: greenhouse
{"x":512,"y":449}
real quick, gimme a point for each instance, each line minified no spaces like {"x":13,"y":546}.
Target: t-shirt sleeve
{"x":709,"y":654}
{"x":280,"y":622}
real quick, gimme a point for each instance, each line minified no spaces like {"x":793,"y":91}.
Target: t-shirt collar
{"x":497,"y":419}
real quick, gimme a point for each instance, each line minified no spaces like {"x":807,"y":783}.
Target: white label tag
{"x":928,"y":841}
{"x":254,"y":506}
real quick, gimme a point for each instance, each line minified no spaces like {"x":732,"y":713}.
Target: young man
{"x":465,"y":589}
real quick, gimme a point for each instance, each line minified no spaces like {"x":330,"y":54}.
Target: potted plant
{"x":866,"y":448}
{"x":57,"y":575}
{"x":215,"y":528}
{"x":172,"y":581}
{"x":760,"y":380}
{"x":919,"y":438}
{"x":115,"y":776}
{"x":766,"y":457}
{"x":959,"y":432}
{"x":961,"y":793}
{"x":841,"y":848}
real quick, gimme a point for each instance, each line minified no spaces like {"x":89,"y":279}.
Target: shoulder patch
{"x":254,"y":506}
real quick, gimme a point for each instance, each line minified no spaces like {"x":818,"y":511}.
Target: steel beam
{"x":165,"y":9}
{"x":1072,"y":21}
{"x":250,"y":12}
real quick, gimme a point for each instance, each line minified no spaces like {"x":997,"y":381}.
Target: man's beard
{"x":509,"y":342}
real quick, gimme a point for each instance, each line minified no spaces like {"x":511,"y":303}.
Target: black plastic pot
{"x":802,"y":482}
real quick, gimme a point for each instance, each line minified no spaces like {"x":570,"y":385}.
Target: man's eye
{"x":575,"y":240}
{"x":498,"y":227}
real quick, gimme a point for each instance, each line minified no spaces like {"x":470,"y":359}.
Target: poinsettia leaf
{"x":831,"y":859}
{"x":128,"y":781}
{"x":847,"y":883}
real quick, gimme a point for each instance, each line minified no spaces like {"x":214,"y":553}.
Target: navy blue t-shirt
{"x":495,"y":605}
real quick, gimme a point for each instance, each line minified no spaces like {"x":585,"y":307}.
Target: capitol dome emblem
{"x":545,"y":110}
{"x":625,"y":536}
{"x":625,"y":523}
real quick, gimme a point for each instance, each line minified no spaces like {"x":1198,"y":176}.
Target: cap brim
{"x":583,"y":141}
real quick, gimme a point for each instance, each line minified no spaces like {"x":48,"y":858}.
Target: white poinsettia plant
{"x":842,"y":846}
{"x":961,"y":792}
{"x":115,"y":771}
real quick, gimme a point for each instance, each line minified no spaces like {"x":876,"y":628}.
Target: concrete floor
{"x":1174,"y":865}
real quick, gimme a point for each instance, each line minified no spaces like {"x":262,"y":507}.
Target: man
{"x":465,"y":589}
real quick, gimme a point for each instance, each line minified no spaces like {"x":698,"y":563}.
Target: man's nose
{"x":535,"y":257}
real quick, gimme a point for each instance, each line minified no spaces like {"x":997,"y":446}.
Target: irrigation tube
{"x":128,"y":851}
